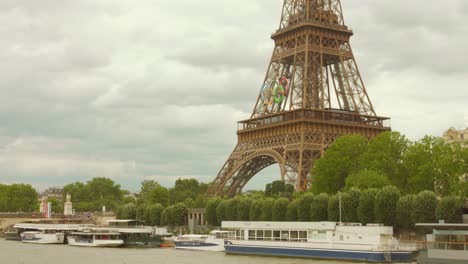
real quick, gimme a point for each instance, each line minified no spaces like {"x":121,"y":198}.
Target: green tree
{"x":278,"y":188}
{"x":351,"y":206}
{"x":384,"y":155}
{"x":127,"y":211}
{"x":385,"y":205}
{"x":255,"y":210}
{"x":340,"y":161}
{"x":435,"y":166}
{"x":291,"y":212}
{"x":450,"y":209}
{"x":221,"y":211}
{"x":425,"y":205}
{"x":231,"y":209}
{"x":179,"y":214}
{"x":334,"y":208}
{"x":211,"y":206}
{"x":366,"y":206}
{"x":280,"y":209}
{"x":3,"y":198}
{"x":365,"y":179}
{"x":404,"y":210}
{"x":186,"y":188}
{"x":104,"y":192}
{"x":267,"y":209}
{"x":21,"y":197}
{"x":303,"y":211}
{"x":153,"y":214}
{"x":243,"y":208}
{"x":319,"y":208}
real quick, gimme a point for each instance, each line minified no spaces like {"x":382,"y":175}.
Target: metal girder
{"x":312,"y":93}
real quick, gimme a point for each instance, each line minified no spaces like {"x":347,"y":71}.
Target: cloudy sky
{"x":152,"y":89}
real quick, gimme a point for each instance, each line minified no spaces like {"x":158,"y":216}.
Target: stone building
{"x":197,"y":216}
{"x":453,"y":135}
{"x":53,"y":193}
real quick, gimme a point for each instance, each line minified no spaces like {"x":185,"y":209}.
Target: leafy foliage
{"x":291,"y":211}
{"x":425,"y":204}
{"x":340,"y":161}
{"x":18,"y":198}
{"x":450,"y":209}
{"x":278,"y":188}
{"x":365,"y":179}
{"x":404,"y":210}
{"x":267,"y":209}
{"x":280,"y":209}
{"x":365,"y":210}
{"x":255,"y":210}
{"x":303,"y":210}
{"x":385,"y":205}
{"x":319,"y":208}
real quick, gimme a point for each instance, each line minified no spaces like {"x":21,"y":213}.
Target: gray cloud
{"x":153,"y":89}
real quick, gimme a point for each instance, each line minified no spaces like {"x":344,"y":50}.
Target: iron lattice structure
{"x":312,"y":94}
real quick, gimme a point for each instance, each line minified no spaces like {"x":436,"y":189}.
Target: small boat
{"x":43,"y":233}
{"x":134,"y":233}
{"x":11,"y":233}
{"x":90,"y":238}
{"x":43,"y":236}
{"x":199,"y":242}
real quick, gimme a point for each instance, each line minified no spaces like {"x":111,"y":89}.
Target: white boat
{"x":320,"y":240}
{"x":89,"y":238}
{"x":43,"y":236}
{"x":212,"y":242}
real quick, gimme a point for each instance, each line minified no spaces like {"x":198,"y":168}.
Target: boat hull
{"x":368,"y":256}
{"x":95,"y":243}
{"x":40,"y":238}
{"x":208,"y":245}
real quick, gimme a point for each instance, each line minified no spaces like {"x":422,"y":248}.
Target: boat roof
{"x":194,"y":236}
{"x":126,"y":230}
{"x":442,"y":226}
{"x":70,"y":227}
{"x":95,"y":233}
{"x":124,"y":221}
{"x":280,"y":225}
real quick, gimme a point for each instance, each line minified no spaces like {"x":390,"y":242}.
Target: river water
{"x":14,"y":252}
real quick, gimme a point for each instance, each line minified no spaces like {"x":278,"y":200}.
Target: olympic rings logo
{"x":275,"y":95}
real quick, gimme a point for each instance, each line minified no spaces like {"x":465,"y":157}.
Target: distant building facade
{"x":453,"y":135}
{"x":53,"y":193}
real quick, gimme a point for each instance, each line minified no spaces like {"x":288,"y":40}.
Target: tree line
{"x":386,"y":205}
{"x":18,"y":198}
{"x":391,"y":159}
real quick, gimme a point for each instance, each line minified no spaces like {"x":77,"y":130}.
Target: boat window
{"x":251,"y":234}
{"x":318,"y":235}
{"x":260,"y":235}
{"x":276,"y":235}
{"x":294,"y":235}
{"x":284,"y":235}
{"x":341,"y":237}
{"x":268,"y":235}
{"x":303,"y":236}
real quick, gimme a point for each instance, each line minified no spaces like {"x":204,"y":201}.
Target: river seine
{"x":14,"y":252}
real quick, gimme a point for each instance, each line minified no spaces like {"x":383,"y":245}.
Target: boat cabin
{"x":310,"y":232}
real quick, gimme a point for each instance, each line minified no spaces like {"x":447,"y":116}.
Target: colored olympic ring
{"x":281,"y":90}
{"x":279,"y":94}
{"x":285,"y":83}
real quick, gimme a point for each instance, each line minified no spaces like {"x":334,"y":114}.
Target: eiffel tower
{"x":312,"y":94}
